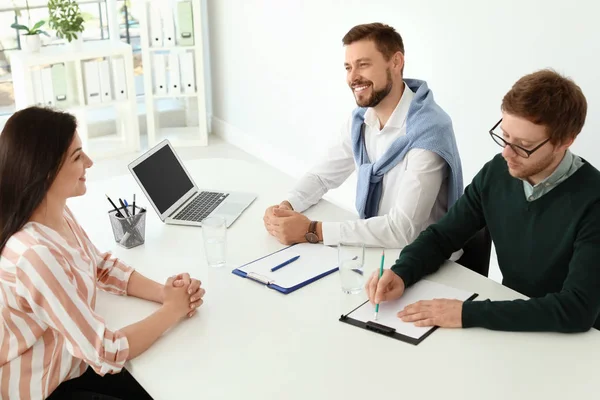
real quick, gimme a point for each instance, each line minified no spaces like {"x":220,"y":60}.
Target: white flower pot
{"x":77,"y":44}
{"x":31,"y":43}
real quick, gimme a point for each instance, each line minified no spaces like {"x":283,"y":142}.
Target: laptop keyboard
{"x":201,"y":206}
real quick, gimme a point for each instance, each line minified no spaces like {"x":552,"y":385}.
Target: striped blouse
{"x":49,"y":331}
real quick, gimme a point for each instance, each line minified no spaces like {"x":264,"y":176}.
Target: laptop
{"x":174,"y":194}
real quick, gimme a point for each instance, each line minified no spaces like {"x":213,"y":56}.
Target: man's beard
{"x":378,"y":95}
{"x":531,"y":170}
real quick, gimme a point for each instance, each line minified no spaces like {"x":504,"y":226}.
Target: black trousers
{"x":91,"y":386}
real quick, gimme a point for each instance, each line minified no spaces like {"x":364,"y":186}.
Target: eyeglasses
{"x":516,"y":148}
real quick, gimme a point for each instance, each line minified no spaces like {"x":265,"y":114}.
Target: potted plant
{"x":30,"y":40}
{"x":66,"y":19}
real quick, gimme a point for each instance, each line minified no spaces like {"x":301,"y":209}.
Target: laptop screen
{"x":164,"y":178}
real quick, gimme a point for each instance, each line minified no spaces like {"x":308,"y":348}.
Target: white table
{"x":249,"y":342}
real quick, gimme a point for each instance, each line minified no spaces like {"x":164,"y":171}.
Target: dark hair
{"x":33,"y":145}
{"x":386,"y":39}
{"x":550,"y":99}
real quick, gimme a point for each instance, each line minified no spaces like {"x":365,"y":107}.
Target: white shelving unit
{"x":160,"y":18}
{"x":126,"y":138}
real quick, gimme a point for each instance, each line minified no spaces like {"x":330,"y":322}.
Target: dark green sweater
{"x":548,"y":250}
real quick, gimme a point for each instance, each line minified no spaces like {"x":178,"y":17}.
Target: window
{"x":96,"y":28}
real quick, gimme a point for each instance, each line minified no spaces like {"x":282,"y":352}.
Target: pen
{"x":283,"y":264}
{"x":124,"y":207}
{"x":134,"y":204}
{"x":132,"y":223}
{"x":118,"y":214}
{"x":115,"y":206}
{"x":380,"y":273}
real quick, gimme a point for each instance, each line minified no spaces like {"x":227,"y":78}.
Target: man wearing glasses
{"x":541,"y":204}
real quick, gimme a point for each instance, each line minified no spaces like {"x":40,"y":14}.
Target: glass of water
{"x":214,"y":232}
{"x":351,"y":258}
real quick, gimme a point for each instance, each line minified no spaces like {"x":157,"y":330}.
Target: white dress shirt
{"x":415,"y":192}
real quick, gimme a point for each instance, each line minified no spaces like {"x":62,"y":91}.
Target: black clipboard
{"x":386,"y":330}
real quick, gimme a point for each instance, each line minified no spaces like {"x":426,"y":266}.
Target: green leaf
{"x":36,"y":26}
{"x":19,"y":27}
{"x":66,"y":18}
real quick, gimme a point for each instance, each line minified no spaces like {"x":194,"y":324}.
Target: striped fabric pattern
{"x":49,"y":332}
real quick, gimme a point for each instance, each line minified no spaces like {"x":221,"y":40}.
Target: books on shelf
{"x":159,"y":68}
{"x":59,"y":84}
{"x":170,"y":26}
{"x":174,"y":75}
{"x":100,"y":75}
{"x":103,"y":81}
{"x":120,"y":79}
{"x":188,"y":81}
{"x":47,"y":89}
{"x":185,"y":24}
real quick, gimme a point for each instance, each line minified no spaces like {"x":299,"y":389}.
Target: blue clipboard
{"x":271,"y":284}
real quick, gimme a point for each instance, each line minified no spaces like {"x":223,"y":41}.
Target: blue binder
{"x":270,"y":279}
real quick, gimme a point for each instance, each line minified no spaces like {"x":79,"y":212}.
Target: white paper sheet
{"x":314,"y":260}
{"x":422,"y":290}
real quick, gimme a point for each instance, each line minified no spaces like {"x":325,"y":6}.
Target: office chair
{"x":477,"y":252}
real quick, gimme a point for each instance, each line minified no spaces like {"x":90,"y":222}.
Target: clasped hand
{"x":184,"y":294}
{"x":286,"y":225}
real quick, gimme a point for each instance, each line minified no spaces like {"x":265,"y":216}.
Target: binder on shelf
{"x":72,"y":85}
{"x":160,"y":74}
{"x":185,"y":24}
{"x":119,"y":79}
{"x":187,"y":72}
{"x":174,"y":74}
{"x":38,"y":89}
{"x":314,"y":263}
{"x":59,"y":83}
{"x":92,"y":82}
{"x":105,"y":87}
{"x":47,"y":86}
{"x":156,"y":33}
{"x":168,"y":25}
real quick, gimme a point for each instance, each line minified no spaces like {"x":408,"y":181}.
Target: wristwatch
{"x":311,"y":236}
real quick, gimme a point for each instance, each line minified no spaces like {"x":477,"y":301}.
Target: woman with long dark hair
{"x":52,"y":342}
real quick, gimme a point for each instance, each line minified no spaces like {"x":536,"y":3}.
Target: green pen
{"x":380,"y":273}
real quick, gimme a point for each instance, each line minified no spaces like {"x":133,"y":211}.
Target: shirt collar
{"x":559,"y":173}
{"x":398,"y":117}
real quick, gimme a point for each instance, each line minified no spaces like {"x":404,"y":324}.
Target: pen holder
{"x":129,"y":231}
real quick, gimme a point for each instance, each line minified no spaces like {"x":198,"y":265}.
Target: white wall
{"x":278,"y":83}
